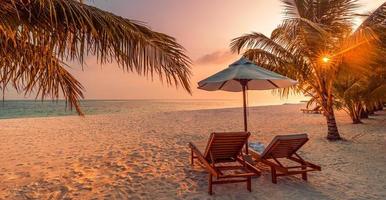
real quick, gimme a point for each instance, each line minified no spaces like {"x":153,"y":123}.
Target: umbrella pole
{"x":245,"y":109}
{"x":244,"y":85}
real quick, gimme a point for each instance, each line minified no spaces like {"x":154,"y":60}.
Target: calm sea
{"x":30,"y":108}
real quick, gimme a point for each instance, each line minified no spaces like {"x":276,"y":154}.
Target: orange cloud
{"x":217,"y":57}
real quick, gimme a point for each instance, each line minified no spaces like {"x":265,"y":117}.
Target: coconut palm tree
{"x":360,"y":95}
{"x":377,"y":21}
{"x":38,"y":38}
{"x":357,"y":94}
{"x":313,"y":44}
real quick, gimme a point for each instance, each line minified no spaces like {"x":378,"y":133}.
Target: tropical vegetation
{"x":359,"y":95}
{"x":39,"y":37}
{"x":318,"y":45}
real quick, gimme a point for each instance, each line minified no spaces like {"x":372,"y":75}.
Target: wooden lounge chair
{"x":222,"y":156}
{"x":316,"y":110}
{"x":285,"y":147}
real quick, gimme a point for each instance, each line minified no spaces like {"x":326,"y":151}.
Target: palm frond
{"x":266,"y":59}
{"x":297,"y":35}
{"x":45,"y":77}
{"x":258,"y":41}
{"x":378,"y":17}
{"x":286,"y":66}
{"x":71,"y":30}
{"x":295,"y":9}
{"x":329,"y":12}
{"x":359,"y":50}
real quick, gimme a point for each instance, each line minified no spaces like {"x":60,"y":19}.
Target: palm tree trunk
{"x":332,"y":132}
{"x":356,"y":117}
{"x":380,"y":106}
{"x":332,"y":128}
{"x":364,"y":114}
{"x":371,"y":111}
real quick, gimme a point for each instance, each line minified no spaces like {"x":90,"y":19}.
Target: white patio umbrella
{"x":244,"y":75}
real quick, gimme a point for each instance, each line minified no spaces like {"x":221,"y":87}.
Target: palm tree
{"x":38,"y":37}
{"x":358,"y":95}
{"x":313,"y":44}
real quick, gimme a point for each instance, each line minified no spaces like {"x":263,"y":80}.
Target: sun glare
{"x":326,"y":59}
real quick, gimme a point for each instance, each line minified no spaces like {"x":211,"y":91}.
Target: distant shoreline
{"x":24,"y":109}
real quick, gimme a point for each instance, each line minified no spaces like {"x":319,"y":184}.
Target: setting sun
{"x":326,"y":59}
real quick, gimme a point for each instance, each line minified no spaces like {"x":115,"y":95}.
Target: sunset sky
{"x":203,"y":27}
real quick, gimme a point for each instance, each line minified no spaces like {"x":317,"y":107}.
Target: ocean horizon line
{"x":36,"y":108}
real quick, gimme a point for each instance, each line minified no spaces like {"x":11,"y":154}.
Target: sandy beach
{"x":145,"y":156}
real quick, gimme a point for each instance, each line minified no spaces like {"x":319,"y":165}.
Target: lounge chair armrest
{"x":258,"y":158}
{"x":308,"y":164}
{"x":202,"y":159}
{"x":196,"y":151}
{"x":249,"y":164}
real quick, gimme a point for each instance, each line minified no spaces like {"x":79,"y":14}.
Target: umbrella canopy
{"x":257,"y":78}
{"x":244,"y":75}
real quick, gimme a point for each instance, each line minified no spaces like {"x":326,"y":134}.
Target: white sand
{"x":146,"y":156}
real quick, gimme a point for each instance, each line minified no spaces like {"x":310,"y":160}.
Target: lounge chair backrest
{"x":225,"y":146}
{"x":283,"y":146}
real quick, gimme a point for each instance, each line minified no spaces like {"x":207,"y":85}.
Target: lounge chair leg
{"x":304,"y":175}
{"x":210,"y":184}
{"x":273,"y":173}
{"x":249,"y":184}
